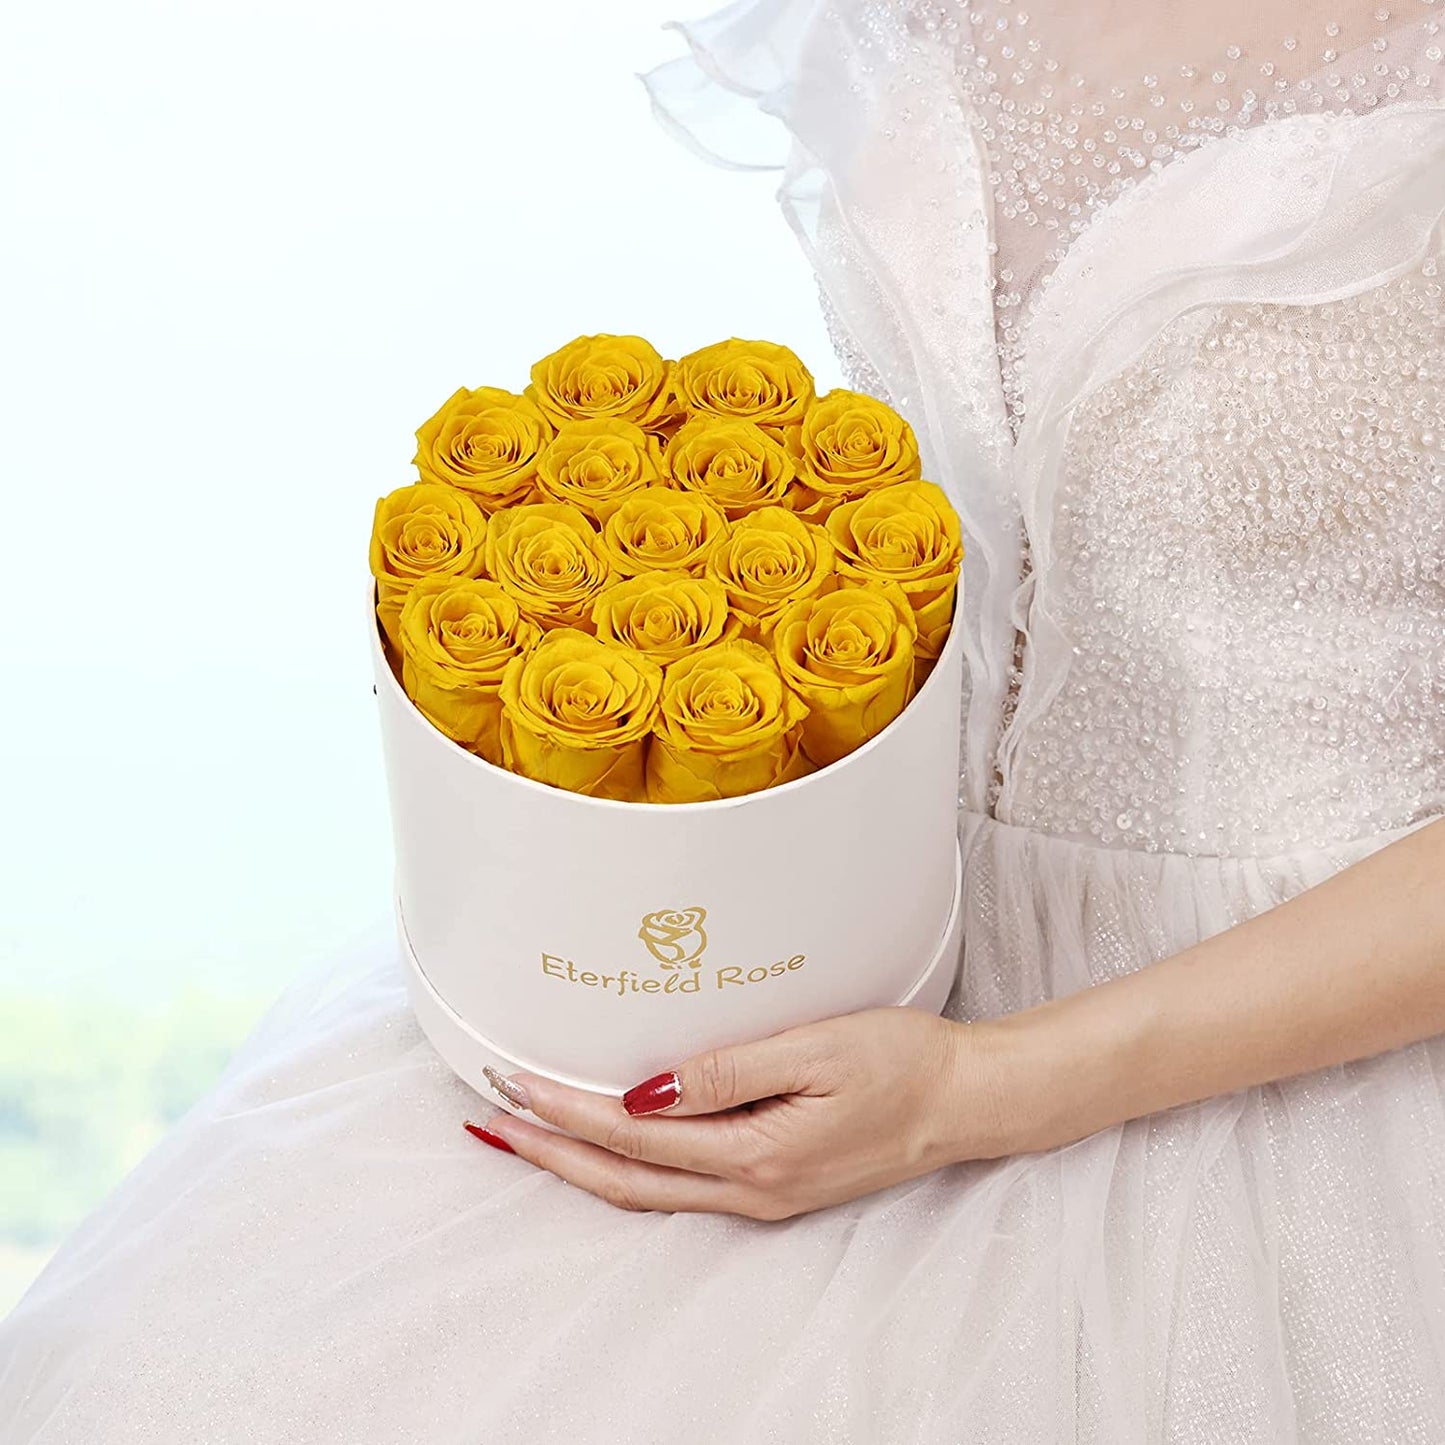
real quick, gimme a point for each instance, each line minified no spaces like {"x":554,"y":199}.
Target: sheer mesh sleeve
{"x":856,"y":103}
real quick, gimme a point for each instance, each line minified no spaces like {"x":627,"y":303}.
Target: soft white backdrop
{"x":248,"y":247}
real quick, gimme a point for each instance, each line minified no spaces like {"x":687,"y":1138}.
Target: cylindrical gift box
{"x":601,"y":942}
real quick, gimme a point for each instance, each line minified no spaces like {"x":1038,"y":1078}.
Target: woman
{"x":1161,"y":290}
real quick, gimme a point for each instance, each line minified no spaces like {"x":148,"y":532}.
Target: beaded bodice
{"x":1244,"y":635}
{"x":1249,"y":544}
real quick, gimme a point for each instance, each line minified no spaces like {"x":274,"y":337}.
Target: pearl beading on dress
{"x":1064,"y":140}
{"x":1325,"y":443}
{"x":1250,"y":550}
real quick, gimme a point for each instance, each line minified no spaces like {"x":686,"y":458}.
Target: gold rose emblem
{"x":674,"y":936}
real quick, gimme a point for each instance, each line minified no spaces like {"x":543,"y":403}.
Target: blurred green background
{"x":85,"y":1090}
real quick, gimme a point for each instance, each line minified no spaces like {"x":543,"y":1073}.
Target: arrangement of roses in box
{"x":660,"y":581}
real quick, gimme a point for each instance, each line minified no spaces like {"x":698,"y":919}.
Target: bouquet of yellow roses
{"x":665,"y":582}
{"x":643,"y":582}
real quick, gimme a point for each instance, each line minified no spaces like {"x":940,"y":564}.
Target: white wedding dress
{"x":1166,"y":310}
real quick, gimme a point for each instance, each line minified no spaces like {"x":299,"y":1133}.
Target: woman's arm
{"x":1349,"y":968}
{"x":822,"y":1113}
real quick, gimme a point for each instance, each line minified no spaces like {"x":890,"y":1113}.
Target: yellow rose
{"x":550,"y":558}
{"x":457,"y":637}
{"x":726,"y":725}
{"x":755,"y":381}
{"x":623,"y":378}
{"x":849,"y":656}
{"x":664,"y":614}
{"x":769,"y":560}
{"x":420,"y":531}
{"x":594,"y":465}
{"x":908,"y":534}
{"x":851,"y":443}
{"x":804,"y":502}
{"x":735,"y":464}
{"x":486,"y":442}
{"x":576,"y":713}
{"x":661,"y":530}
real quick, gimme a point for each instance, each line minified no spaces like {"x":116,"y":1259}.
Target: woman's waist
{"x":1047,"y":914}
{"x":1151,"y":856}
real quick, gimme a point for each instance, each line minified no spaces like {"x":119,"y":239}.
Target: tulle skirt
{"x":318,"y":1253}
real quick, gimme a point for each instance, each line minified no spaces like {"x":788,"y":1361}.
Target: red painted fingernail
{"x":487,"y":1137}
{"x":661,"y":1091}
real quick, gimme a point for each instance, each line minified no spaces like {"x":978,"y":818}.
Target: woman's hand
{"x":820,"y":1114}
{"x":809,"y":1117}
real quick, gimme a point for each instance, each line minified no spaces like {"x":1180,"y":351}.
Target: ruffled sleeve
{"x":856,"y":104}
{"x":731,"y":100}
{"x":728,"y":97}
{"x":853,"y":102}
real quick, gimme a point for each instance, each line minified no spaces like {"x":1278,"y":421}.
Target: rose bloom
{"x":487,"y":442}
{"x":755,"y":381}
{"x":457,"y":637}
{"x":550,"y":558}
{"x":769,"y":560}
{"x":908,"y":534}
{"x":849,"y":656}
{"x":423,"y":530}
{"x":621,"y":378}
{"x":596,"y":465}
{"x":726,"y":725}
{"x":665,"y":615}
{"x":851,"y":443}
{"x":659,"y":530}
{"x":576,"y":714}
{"x":735,"y":464}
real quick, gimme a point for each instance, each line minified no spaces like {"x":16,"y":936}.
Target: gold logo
{"x":675,"y":936}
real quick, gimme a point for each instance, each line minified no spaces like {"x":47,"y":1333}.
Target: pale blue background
{"x":248,"y":247}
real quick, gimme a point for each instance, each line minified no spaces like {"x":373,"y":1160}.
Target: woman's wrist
{"x":1050,"y":1074}
{"x":1349,"y":968}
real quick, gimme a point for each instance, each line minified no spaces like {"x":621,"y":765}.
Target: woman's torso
{"x":1225,"y":584}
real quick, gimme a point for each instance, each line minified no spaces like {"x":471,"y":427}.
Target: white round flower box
{"x":601,"y":942}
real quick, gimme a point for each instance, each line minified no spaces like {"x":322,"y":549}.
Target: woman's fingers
{"x":722,"y":1143}
{"x":718,"y":1079}
{"x":630,"y":1183}
{"x":716,"y":1146}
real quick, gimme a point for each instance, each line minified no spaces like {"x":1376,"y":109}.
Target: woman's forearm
{"x":1352,"y":967}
